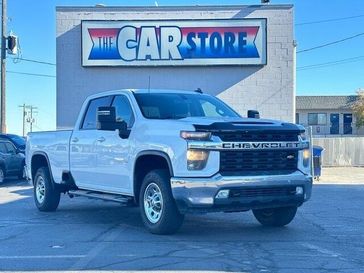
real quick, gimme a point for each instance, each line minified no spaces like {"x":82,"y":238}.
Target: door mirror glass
{"x":106,"y":121}
{"x":253,"y":114}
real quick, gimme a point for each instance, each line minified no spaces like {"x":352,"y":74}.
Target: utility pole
{"x":31,"y":120}
{"x":24,"y":114}
{"x":3,"y":66}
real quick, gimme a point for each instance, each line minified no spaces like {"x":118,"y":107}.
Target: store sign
{"x":170,"y":43}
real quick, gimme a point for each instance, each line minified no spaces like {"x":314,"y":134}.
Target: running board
{"x":101,"y":195}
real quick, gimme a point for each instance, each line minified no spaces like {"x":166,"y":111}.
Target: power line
{"x":31,"y":74}
{"x":32,"y":61}
{"x":332,"y":63}
{"x":331,"y":43}
{"x":330,"y":20}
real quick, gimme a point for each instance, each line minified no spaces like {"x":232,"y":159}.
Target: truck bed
{"x":56,"y":145}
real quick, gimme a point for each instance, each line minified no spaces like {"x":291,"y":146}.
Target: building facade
{"x":328,"y":115}
{"x":242,"y":54}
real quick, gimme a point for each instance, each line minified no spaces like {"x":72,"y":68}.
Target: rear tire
{"x":158,"y":208}
{"x":275,"y":217}
{"x":46,"y":196}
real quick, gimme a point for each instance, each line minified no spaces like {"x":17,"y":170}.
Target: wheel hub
{"x":40,"y":189}
{"x":153,"y":203}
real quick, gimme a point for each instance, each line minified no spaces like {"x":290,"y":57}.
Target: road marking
{"x":321,"y":250}
{"x":43,"y":257}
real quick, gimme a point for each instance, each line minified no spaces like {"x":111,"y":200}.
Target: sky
{"x":34,"y":23}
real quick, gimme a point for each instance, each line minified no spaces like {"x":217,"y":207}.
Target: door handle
{"x":75,"y":139}
{"x":101,"y":139}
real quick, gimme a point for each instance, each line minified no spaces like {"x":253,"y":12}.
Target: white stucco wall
{"x":269,"y":88}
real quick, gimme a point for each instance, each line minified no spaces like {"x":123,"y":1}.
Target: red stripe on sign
{"x":103,"y":32}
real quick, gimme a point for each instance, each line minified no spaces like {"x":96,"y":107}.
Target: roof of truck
{"x":144,"y":91}
{"x":161,"y":91}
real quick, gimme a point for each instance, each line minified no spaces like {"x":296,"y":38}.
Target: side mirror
{"x":253,"y":114}
{"x":106,"y":121}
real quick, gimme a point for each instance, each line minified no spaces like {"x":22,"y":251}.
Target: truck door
{"x":99,"y":159}
{"x":113,"y":164}
{"x":84,"y":147}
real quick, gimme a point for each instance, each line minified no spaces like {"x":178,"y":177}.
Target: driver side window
{"x":89,"y":121}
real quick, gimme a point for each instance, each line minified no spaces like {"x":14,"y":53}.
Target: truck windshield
{"x":180,"y":105}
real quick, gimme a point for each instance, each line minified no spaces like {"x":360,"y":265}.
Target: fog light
{"x":299,"y":190}
{"x":223,"y":194}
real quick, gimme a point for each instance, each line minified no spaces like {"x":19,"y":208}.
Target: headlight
{"x":192,"y":135}
{"x":306,"y":155}
{"x":196,"y":159}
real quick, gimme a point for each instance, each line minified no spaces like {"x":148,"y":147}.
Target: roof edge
{"x":163,"y":8}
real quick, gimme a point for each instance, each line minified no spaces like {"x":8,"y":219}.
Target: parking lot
{"x":327,"y":235}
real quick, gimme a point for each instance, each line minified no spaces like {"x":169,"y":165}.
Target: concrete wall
{"x":324,"y":130}
{"x":341,"y":151}
{"x":270,"y":88}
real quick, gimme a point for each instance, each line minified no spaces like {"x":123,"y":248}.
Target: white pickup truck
{"x":173,"y":152}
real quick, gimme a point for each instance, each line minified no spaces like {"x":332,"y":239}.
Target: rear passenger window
{"x":89,"y":121}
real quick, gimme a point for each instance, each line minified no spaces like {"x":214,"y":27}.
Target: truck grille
{"x":235,"y":163}
{"x":257,"y":136}
{"x":262,"y":192}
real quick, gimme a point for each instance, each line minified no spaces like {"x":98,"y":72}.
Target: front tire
{"x":275,"y":217}
{"x":46,"y":196}
{"x":158,"y":209}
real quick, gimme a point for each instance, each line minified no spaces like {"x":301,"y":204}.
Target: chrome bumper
{"x":200,"y":193}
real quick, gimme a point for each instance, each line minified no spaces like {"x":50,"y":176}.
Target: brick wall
{"x":269,"y":89}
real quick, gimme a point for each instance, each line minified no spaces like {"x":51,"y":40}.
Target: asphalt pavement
{"x":327,"y":235}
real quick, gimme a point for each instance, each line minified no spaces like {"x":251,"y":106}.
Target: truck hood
{"x":238,"y":124}
{"x":210,"y":120}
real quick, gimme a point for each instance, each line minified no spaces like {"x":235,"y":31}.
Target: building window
{"x":317,"y":119}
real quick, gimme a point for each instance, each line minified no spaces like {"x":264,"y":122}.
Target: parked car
{"x":18,"y":141}
{"x":12,"y":161}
